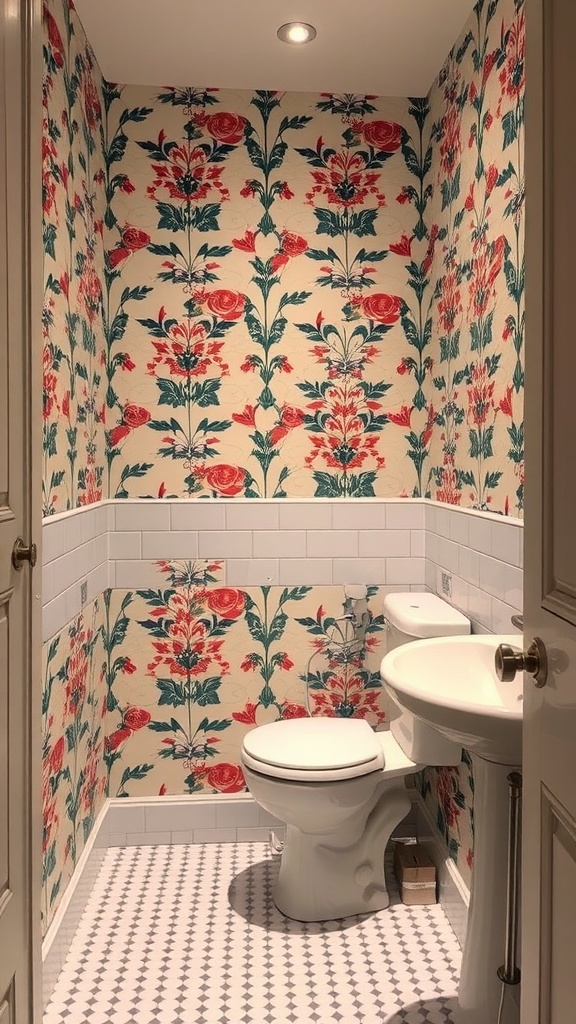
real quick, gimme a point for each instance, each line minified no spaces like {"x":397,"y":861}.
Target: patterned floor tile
{"x":190,"y":935}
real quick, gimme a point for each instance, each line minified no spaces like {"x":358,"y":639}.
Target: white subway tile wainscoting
{"x":403,"y":543}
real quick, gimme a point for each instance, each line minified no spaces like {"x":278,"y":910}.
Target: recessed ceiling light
{"x":296,"y":32}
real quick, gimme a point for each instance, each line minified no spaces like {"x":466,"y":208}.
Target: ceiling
{"x":384,"y":47}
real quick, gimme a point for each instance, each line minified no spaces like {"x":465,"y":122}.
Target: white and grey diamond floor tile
{"x":190,"y":935}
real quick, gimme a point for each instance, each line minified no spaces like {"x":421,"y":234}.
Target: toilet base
{"x":334,"y":875}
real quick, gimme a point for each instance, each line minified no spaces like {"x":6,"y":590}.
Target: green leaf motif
{"x":327,"y":485}
{"x":255,"y":627}
{"x":329,"y":223}
{"x":362,"y":223}
{"x":361,"y":485}
{"x":206,"y":692}
{"x":171,"y":393}
{"x":509,"y":128}
{"x":206,"y":393}
{"x":214,"y":726}
{"x":172,"y":218}
{"x":171,"y":693}
{"x":205,"y":218}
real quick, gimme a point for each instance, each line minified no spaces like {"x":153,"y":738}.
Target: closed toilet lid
{"x":313,"y":749}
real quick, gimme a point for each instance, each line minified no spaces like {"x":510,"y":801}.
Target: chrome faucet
{"x":517,"y":621}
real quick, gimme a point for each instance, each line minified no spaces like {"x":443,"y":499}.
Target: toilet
{"x":340,"y":787}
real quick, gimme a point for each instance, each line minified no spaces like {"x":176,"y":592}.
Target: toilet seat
{"x":314,"y":749}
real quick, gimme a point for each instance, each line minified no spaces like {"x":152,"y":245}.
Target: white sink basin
{"x":450,"y":683}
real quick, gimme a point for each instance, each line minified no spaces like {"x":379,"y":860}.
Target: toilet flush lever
{"x":508,"y":661}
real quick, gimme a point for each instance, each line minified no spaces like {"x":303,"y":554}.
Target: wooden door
{"x":549,"y":840}
{"x":19,"y":641}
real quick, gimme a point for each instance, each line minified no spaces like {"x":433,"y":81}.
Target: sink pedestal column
{"x":480,"y":988}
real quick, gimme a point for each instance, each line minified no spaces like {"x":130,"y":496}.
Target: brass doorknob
{"x":21,"y":553}
{"x":508,"y":661}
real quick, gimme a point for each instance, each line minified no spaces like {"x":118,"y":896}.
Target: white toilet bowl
{"x":340,"y":788}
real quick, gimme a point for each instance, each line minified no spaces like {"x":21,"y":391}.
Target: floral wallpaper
{"x":74,"y":204}
{"x":191,"y":666}
{"x":262,"y":284}
{"x":475,"y":223}
{"x":74,"y":776}
{"x":449,"y":796}
{"x":476,"y":244}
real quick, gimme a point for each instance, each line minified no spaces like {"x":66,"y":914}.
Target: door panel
{"x":19,"y":784}
{"x":4,"y":606}
{"x":549,"y":758}
{"x":7,"y":1007}
{"x":557,"y":997}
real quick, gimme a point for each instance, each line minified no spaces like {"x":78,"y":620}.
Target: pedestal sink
{"x":450,"y":684}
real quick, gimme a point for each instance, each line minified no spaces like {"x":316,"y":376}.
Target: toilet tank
{"x":419,"y":617}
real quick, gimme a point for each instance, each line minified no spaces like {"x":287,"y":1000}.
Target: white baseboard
{"x":58,"y":938}
{"x":165,"y":820}
{"x":454,"y":894}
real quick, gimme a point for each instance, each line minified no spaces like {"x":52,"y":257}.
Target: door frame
{"x":32,"y":61}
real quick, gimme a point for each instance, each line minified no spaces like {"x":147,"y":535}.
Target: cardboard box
{"x":416,"y":874}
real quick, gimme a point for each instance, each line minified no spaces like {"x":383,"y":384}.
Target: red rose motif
{"x":226,"y":304}
{"x":226,"y":778}
{"x":385,"y":309}
{"x":293,"y":711}
{"x":292,"y":417}
{"x":227,"y":602}
{"x":136,"y":718}
{"x":134,"y":239}
{"x":57,"y":756}
{"x":135,"y":416}
{"x":117,"y":739}
{"x":293,"y":245}
{"x":92,"y":104}
{"x":54,"y":37}
{"x":227,"y":480}
{"x":224,"y":127}
{"x":385,"y":136}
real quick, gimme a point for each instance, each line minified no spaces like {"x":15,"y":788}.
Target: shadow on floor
{"x":250,"y":896}
{"x":435,"y":1011}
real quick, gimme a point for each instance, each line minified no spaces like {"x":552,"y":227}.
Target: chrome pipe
{"x":509,"y":973}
